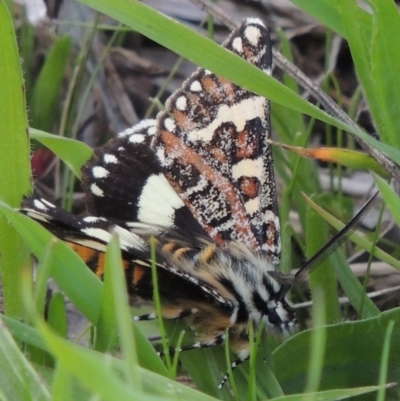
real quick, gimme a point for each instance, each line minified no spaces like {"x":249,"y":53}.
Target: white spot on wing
{"x":152,"y":130}
{"x":39,"y":205}
{"x":238,"y":114}
{"x":253,"y":205}
{"x":129,"y":239}
{"x":237,"y":44}
{"x":108,"y":158}
{"x":170,"y":124}
{"x":252,"y":34}
{"x":136,"y":138}
{"x":128,"y":131}
{"x":96,"y":190}
{"x":248,"y":168}
{"x":181,"y":103}
{"x":97,"y":233}
{"x":47,"y":203}
{"x":100,"y":172}
{"x":143,"y":125}
{"x":91,"y":219}
{"x":158,"y":202}
{"x":195,"y":86}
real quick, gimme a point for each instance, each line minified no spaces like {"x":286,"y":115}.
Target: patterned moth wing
{"x":211,"y":145}
{"x":123,"y":182}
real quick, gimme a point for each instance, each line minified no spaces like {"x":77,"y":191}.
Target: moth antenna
{"x":335,"y":241}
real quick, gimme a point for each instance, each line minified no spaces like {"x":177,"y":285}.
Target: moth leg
{"x":217,"y":340}
{"x":234,"y":365}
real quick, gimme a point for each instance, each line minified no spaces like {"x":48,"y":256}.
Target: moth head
{"x":286,"y":282}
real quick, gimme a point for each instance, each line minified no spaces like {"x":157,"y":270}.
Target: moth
{"x":200,"y":179}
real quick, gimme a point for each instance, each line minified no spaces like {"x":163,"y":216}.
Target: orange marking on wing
{"x":249,"y":186}
{"x":181,"y":251}
{"x":138,"y":273}
{"x":245,"y":147}
{"x":242,"y":226}
{"x":207,"y":254}
{"x":169,"y":247}
{"x":93,"y":258}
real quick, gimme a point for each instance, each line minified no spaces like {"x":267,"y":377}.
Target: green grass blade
{"x":24,"y":333}
{"x":385,"y":68}
{"x":45,"y":96}
{"x":352,"y":287}
{"x":15,"y":172}
{"x":327,"y":12}
{"x":57,"y":315}
{"x":317,"y":344}
{"x":352,"y":356}
{"x":72,"y":152}
{"x":18,"y":379}
{"x":115,"y":271}
{"x":42,"y":278}
{"x":92,"y":369}
{"x":323,"y":277}
{"x":390,"y":197}
{"x":385,"y":361}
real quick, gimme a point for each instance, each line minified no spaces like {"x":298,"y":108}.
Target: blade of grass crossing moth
{"x":251,"y":394}
{"x":115,"y":270}
{"x":229,"y":365}
{"x":15,"y":174}
{"x":106,"y":338}
{"x":267,"y":384}
{"x":322,"y":278}
{"x":157,"y":304}
{"x":42,"y":277}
